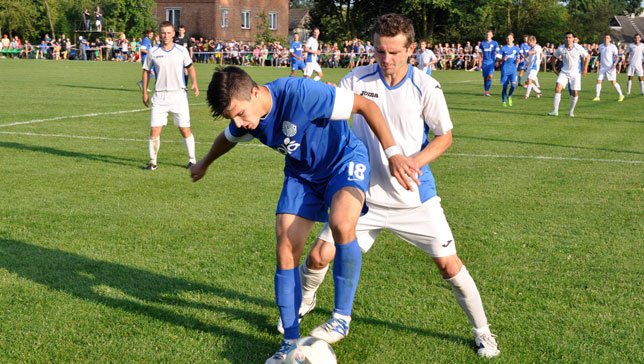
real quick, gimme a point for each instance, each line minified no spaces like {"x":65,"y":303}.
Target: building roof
{"x":298,"y":18}
{"x":624,"y":28}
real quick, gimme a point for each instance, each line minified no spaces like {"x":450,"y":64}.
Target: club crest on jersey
{"x":289,"y":129}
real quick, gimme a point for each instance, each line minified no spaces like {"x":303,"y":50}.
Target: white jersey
{"x":636,"y":54}
{"x":607,"y":55}
{"x":534,"y":58}
{"x":312,"y":47}
{"x":423,"y":59}
{"x":168,"y":67}
{"x":411,"y":109}
{"x":571,"y":58}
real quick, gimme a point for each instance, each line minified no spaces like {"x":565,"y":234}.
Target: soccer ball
{"x":310,"y":350}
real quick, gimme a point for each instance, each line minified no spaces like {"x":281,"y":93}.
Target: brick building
{"x":226,"y":19}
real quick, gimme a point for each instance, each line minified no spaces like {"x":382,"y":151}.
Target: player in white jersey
{"x":312,"y":52}
{"x":635,"y":59}
{"x":570,"y":54}
{"x":425,"y":58}
{"x":412,"y":103}
{"x":168,"y":60}
{"x":607,"y":67}
{"x":533,"y":62}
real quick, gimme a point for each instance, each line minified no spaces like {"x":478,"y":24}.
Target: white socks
{"x":153,"y":147}
{"x":555,"y":106}
{"x":618,"y":88}
{"x":573,"y":103}
{"x":190,"y":147}
{"x":598,"y":89}
{"x":311,"y":281}
{"x":469,"y":298}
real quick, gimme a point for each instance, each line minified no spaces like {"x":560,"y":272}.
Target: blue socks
{"x":288,"y":295}
{"x":504,"y":93}
{"x":346,"y":274}
{"x":487,"y":83}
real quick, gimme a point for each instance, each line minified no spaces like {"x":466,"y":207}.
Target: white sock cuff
{"x":459,"y":277}
{"x":306,"y":270}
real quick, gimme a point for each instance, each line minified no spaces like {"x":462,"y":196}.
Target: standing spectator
{"x":263,"y":55}
{"x":170,"y":95}
{"x":63,"y":46}
{"x":98,"y":16}
{"x":87,"y":18}
{"x":26,"y":50}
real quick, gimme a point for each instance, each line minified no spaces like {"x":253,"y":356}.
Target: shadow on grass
{"x":140,"y":292}
{"x":120,"y":89}
{"x":548,"y":144}
{"x":67,"y":153}
{"x":160,"y":297}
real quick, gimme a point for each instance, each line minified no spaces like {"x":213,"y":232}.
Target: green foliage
{"x":17,"y":18}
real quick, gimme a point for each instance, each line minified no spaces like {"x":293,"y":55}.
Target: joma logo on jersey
{"x":288,"y":146}
{"x":369,"y":94}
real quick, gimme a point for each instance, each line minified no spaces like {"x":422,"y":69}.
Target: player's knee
{"x":343,"y":229}
{"x":449,"y":266}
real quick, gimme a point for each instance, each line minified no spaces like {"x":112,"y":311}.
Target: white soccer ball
{"x":310,"y":350}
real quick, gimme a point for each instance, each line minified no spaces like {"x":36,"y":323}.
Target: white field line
{"x":35,"y":121}
{"x":507,"y":156}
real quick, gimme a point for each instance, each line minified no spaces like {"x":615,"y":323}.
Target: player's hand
{"x":197,"y":171}
{"x":195,"y":88}
{"x":146,"y":99}
{"x":405,"y":171}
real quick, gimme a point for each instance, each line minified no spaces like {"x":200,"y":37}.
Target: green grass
{"x":101,"y":261}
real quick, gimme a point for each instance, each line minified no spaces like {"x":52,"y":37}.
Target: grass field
{"x":103,"y":262}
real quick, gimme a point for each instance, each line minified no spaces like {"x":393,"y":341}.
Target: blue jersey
{"x":308,"y":124}
{"x":509,"y":55}
{"x":489,"y":50}
{"x":147,"y":45}
{"x":524,"y":49}
{"x":296,"y":48}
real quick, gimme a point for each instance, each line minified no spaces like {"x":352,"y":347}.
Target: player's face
{"x":569,"y":40}
{"x":392,"y":54}
{"x":489,"y":36}
{"x":638,"y":39}
{"x":423,"y":46}
{"x":167,"y":35}
{"x":509,"y":39}
{"x":607,"y":39}
{"x":296,"y":37}
{"x":245,"y":113}
{"x":316,"y":33}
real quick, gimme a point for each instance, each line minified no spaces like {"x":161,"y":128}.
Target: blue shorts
{"x":488,"y":70}
{"x":522,"y":66}
{"x":296,"y":64}
{"x":312,"y":200}
{"x":510,"y":77}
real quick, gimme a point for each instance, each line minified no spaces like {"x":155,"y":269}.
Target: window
{"x":272,"y":21}
{"x":173,"y":15}
{"x":224,"y":18}
{"x":245,"y":19}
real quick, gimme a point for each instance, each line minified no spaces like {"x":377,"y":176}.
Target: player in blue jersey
{"x":524,"y":49}
{"x":326,"y":172}
{"x":297,"y":61}
{"x":487,"y":52}
{"x":146,"y":47}
{"x":509,"y":55}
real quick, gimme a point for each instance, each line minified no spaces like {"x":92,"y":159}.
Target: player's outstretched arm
{"x":220,"y":146}
{"x":403,"y":168}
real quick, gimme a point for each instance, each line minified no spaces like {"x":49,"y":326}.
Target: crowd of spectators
{"x":348,"y":54}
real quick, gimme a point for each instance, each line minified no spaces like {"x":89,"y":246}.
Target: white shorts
{"x":532,"y":75}
{"x":173,"y":102}
{"x":310,"y":67}
{"x":574,"y":79}
{"x":635,"y":69}
{"x":609,"y":73}
{"x":425,"y":227}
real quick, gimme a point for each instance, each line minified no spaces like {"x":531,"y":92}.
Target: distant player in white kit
{"x":413,"y":103}
{"x":570,"y":53}
{"x":533,"y":62}
{"x":635,"y":59}
{"x":425,"y":58}
{"x":167,"y":61}
{"x":607,"y":68}
{"x":312,"y":52}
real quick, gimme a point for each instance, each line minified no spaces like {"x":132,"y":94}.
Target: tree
{"x":17,"y":18}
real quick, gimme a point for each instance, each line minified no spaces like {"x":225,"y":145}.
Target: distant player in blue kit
{"x":488,"y":51}
{"x":297,"y":61}
{"x":146,"y":47}
{"x":509,"y":56}
{"x":524,"y":49}
{"x":326,"y":172}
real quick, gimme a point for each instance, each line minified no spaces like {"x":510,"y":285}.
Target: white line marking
{"x":509,"y":156}
{"x":35,"y":121}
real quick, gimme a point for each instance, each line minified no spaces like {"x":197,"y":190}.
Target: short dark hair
{"x":390,"y":25}
{"x":166,"y":24}
{"x":228,"y":83}
{"x":571,"y":33}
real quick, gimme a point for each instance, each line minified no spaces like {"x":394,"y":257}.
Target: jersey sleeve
{"x":435,"y":112}
{"x":347,"y":81}
{"x":187,"y":61}
{"x":147,"y":63}
{"x":319,"y":100}
{"x":237,"y":135}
